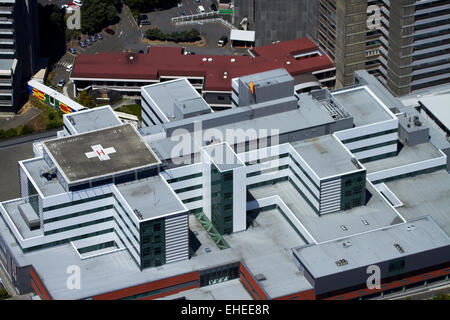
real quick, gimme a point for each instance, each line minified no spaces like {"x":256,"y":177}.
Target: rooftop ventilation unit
{"x":346,"y":244}
{"x":399,"y":248}
{"x":233,"y":59}
{"x":260,"y":277}
{"x":210,"y":59}
{"x":411,"y":227}
{"x":356,"y":163}
{"x":341,"y":262}
{"x":204,"y":59}
{"x":417,"y":122}
{"x":50,"y":174}
{"x":138,"y":214}
{"x":344,"y":228}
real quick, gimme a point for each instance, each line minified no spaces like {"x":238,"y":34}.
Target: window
{"x":157,"y":251}
{"x":157,"y":227}
{"x":157,"y":239}
{"x":397,"y":265}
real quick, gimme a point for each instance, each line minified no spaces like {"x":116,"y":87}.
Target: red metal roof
{"x":170,"y":61}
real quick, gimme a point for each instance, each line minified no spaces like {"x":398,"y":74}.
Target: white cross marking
{"x":100,"y":153}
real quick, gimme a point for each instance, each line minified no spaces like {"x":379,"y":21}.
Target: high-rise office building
{"x":405,"y":44}
{"x":277,"y":20}
{"x":18,"y":50}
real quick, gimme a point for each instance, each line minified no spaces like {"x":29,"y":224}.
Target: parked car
{"x":182,"y":13}
{"x":88,"y":41}
{"x":93,"y":38}
{"x":145,"y":23}
{"x":72,"y":50}
{"x":109,"y":31}
{"x":69,"y":68}
{"x":61,"y":83}
{"x":99,"y":36}
{"x":213,"y":7}
{"x":82,"y":44}
{"x":222,"y":41}
{"x":141,"y":51}
{"x":143,"y":17}
{"x":78,"y":2}
{"x":180,"y":4}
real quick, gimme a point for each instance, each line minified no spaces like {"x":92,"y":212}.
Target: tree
{"x":86,"y":100}
{"x":150,"y":5}
{"x":98,"y":14}
{"x":154,"y":34}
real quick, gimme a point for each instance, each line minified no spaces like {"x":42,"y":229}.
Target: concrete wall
{"x":278,"y":20}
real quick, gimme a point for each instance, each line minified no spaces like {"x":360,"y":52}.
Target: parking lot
{"x":210,"y":31}
{"x":129,"y":36}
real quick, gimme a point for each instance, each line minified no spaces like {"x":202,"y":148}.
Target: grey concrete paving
{"x":15,"y":121}
{"x":9,"y":173}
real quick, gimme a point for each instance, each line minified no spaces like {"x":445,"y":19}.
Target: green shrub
{"x":191,"y":35}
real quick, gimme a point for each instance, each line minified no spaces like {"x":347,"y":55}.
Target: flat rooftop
{"x":265,"y":248}
{"x":223,"y":157}
{"x":35,"y":167}
{"x":12,"y":208}
{"x":425,"y":194}
{"x":362,"y":105}
{"x":100,"y":153}
{"x":413,"y":237}
{"x":325,"y":155}
{"x":228,"y":290}
{"x":438,"y":105}
{"x":407,"y":155}
{"x":93,"y":119}
{"x":151,"y":197}
{"x":176,"y":94}
{"x":267,"y":78}
{"x":377,"y":212}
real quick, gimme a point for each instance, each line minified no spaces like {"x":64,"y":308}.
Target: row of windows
{"x":304,"y":184}
{"x":123,"y":231}
{"x":55,"y":243}
{"x":72,"y":203}
{"x":192,"y":199}
{"x":411,"y":174}
{"x":123,"y":243}
{"x":379,"y":157}
{"x":259,"y":172}
{"x":374,"y":146}
{"x":126,"y":224}
{"x":303,"y":171}
{"x":144,"y":109}
{"x":99,"y":246}
{"x":78,"y":214}
{"x":373,"y":135}
{"x":188,"y":177}
{"x":199,"y":186}
{"x":126,"y":213}
{"x":77,"y":226}
{"x":252,"y":162}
